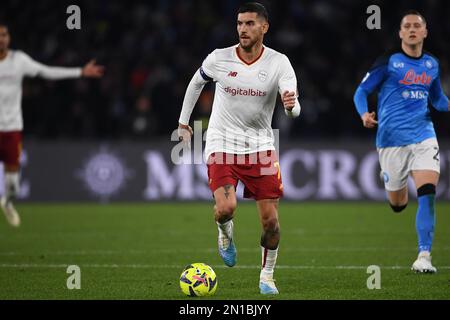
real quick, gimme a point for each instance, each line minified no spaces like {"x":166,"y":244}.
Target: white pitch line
{"x":208,"y":250}
{"x":155,"y":266}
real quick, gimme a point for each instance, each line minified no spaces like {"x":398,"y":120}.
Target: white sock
{"x":269,"y":259}
{"x":225,"y":233}
{"x":424,"y":254}
{"x":11,"y":185}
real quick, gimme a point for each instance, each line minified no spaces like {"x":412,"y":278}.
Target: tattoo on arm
{"x":227,"y":190}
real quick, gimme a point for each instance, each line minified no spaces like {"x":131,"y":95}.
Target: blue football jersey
{"x":405,"y":84}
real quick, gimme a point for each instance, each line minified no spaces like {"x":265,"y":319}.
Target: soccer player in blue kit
{"x":406,"y":79}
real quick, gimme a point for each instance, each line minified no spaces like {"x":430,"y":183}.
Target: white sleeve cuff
{"x":295,"y":112}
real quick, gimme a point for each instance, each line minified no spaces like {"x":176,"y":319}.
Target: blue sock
{"x":426,"y":218}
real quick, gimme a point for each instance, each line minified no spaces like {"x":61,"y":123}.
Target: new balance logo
{"x":232,"y":74}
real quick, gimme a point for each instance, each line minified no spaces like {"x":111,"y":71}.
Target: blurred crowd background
{"x":151,"y":49}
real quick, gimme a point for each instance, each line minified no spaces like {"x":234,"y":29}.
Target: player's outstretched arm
{"x":92,"y":70}
{"x":33,"y":68}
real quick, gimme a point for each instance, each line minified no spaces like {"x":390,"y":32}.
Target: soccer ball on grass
{"x":198,"y":280}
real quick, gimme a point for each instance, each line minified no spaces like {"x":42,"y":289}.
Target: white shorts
{"x":397,"y":162}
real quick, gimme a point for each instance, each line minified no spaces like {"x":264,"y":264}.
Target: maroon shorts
{"x":259,"y":172}
{"x":10,"y":147}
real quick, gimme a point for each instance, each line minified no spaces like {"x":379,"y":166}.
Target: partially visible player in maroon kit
{"x":239,"y":140}
{"x":14,"y":66}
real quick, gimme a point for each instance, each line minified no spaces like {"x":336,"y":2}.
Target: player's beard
{"x":248,"y":45}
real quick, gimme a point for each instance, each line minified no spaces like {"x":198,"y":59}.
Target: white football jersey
{"x":244,"y":99}
{"x":13,"y":68}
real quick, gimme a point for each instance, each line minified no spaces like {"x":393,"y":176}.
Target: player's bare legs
{"x":426,"y":182}
{"x":226,"y":203}
{"x":268,"y":213}
{"x":270,"y":238}
{"x":398,"y":199}
{"x":11,"y":190}
{"x":423,"y":177}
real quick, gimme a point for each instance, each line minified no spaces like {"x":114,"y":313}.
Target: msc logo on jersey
{"x":415,"y":94}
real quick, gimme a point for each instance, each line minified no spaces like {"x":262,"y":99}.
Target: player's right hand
{"x":185,"y":133}
{"x":368,"y":120}
{"x":92,"y":70}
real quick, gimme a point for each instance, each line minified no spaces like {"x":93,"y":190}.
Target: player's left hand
{"x":288,"y":99}
{"x":92,"y":70}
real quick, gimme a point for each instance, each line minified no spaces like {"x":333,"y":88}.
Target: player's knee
{"x":271,"y":225}
{"x":398,"y":208}
{"x":225,"y":211}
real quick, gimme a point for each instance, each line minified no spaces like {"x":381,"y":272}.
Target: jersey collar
{"x":411,"y":57}
{"x":251,"y":62}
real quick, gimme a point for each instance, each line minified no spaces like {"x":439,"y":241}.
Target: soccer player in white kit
{"x":14,"y":66}
{"x":239,"y":140}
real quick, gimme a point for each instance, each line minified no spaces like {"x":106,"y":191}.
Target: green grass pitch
{"x":138,"y":251}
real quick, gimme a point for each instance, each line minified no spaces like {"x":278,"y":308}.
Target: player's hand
{"x":368,"y":120}
{"x":288,"y":99}
{"x":185,"y":133}
{"x":92,"y":70}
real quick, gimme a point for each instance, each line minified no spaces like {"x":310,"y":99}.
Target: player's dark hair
{"x":413,"y":13}
{"x":256,"y":7}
